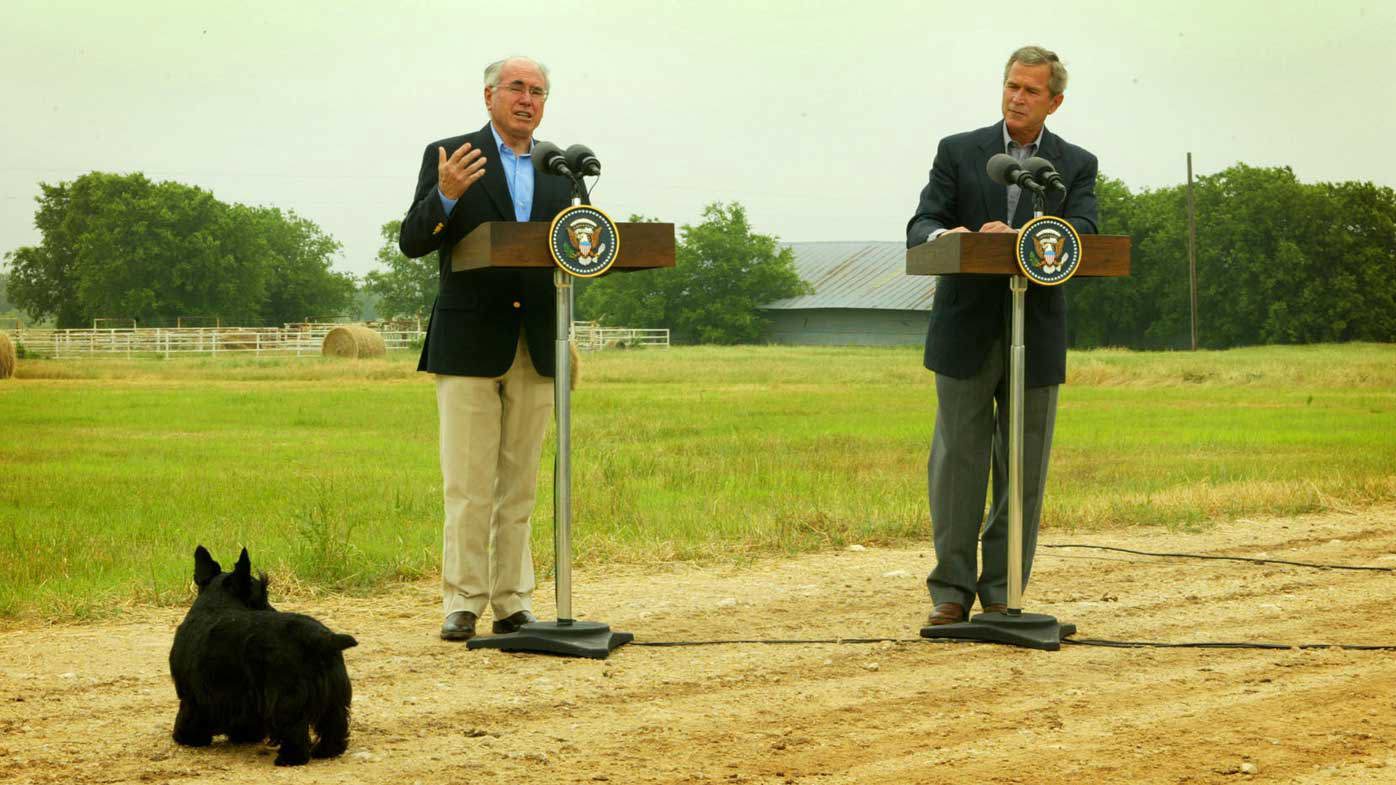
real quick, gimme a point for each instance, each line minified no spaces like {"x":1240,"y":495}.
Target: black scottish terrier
{"x":243,"y":668}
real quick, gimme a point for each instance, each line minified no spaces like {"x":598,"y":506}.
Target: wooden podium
{"x":995,"y":253}
{"x":525,"y":244}
{"x":513,"y":244}
{"x":992,"y":253}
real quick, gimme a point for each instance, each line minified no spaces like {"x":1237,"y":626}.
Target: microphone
{"x":1005,"y":170}
{"x":548,"y":158}
{"x":1045,"y":173}
{"x":582,"y":160}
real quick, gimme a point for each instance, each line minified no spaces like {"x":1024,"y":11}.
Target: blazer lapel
{"x":995,"y":195}
{"x":1051,"y":149}
{"x":548,"y":190}
{"x":494,"y":183}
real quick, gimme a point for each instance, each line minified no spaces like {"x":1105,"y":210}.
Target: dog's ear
{"x":205,"y":568}
{"x":243,"y":569}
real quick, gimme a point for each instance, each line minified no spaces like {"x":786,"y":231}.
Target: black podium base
{"x":1029,"y":630}
{"x":591,"y":639}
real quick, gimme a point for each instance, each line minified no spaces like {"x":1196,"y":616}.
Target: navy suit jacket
{"x":477,"y":316}
{"x":970,"y":311}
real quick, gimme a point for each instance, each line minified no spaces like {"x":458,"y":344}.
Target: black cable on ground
{"x":1220,"y":645}
{"x":1073,"y":641}
{"x":775,"y":642}
{"x":1313,"y":565}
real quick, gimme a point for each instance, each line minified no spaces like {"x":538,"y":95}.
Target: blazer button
{"x":517,"y":304}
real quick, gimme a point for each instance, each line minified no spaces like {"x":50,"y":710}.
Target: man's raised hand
{"x":456,"y":174}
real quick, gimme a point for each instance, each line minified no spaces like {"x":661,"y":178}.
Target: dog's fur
{"x":243,"y":668}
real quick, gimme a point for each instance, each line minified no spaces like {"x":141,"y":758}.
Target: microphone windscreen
{"x":1037,"y":166}
{"x":583,"y":160}
{"x":1001,"y":168}
{"x":543,"y":155}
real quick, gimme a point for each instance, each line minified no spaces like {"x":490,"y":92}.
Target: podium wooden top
{"x":525,"y":244}
{"x":993,"y":253}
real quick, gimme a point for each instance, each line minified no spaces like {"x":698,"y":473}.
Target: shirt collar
{"x":1035,"y":145}
{"x":499,"y":140}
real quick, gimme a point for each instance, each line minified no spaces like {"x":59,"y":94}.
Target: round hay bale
{"x":8,"y":360}
{"x":353,"y":341}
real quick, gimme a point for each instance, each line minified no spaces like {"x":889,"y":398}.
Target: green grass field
{"x":111,"y":471}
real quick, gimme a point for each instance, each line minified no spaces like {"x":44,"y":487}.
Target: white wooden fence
{"x":296,"y":340}
{"x":292,"y":339}
{"x":591,"y":337}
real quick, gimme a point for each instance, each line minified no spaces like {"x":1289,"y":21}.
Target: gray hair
{"x":1036,"y":55}
{"x":492,"y":71}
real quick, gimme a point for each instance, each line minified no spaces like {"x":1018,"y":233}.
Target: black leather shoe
{"x":512,"y":622}
{"x":459,"y":626}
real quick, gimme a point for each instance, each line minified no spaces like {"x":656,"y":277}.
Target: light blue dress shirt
{"x":518,"y":173}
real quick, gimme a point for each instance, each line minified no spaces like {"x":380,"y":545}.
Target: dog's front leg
{"x":189,"y":728}
{"x":295,"y":744}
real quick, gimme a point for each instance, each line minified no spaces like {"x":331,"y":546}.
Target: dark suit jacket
{"x":475,"y":322}
{"x":970,"y":311}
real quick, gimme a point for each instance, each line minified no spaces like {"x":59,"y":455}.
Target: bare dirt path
{"x":93,"y":703}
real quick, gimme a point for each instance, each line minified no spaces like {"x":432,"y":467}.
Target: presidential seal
{"x":584,"y":241}
{"x":1049,"y":250}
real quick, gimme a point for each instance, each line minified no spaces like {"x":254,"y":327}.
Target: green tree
{"x":405,"y":287}
{"x":724,"y":272}
{"x":124,"y":246}
{"x":44,"y":278}
{"x":1278,"y":261}
{"x":5,"y":306}
{"x":300,"y":283}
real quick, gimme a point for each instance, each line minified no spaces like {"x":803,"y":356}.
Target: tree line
{"x":1278,"y":261}
{"x":123,"y":246}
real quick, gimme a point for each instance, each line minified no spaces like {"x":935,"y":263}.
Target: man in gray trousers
{"x":967,"y":342}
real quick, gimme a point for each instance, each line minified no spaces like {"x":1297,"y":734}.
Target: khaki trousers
{"x":491,"y":439}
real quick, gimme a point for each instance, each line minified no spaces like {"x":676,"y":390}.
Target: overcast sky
{"x":821,"y":118}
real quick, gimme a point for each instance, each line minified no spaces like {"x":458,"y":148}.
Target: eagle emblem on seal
{"x":1050,"y":255}
{"x":585,"y":239}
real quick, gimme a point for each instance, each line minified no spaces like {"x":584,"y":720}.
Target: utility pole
{"x":1192,"y":252}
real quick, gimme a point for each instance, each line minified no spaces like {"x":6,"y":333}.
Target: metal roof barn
{"x":862,"y":296}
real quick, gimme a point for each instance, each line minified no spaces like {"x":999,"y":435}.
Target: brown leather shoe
{"x":459,"y":626}
{"x":946,"y":613}
{"x":996,"y":607}
{"x":512,"y":622}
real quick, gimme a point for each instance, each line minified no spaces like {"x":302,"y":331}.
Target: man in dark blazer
{"x":967,"y":342}
{"x":490,"y":345}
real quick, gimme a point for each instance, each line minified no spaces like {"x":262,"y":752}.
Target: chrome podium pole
{"x":1018,"y":285}
{"x":562,"y":480}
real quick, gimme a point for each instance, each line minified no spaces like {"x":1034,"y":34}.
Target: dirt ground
{"x":93,"y":703}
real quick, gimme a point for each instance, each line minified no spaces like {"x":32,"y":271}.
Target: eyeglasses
{"x":517,"y":89}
